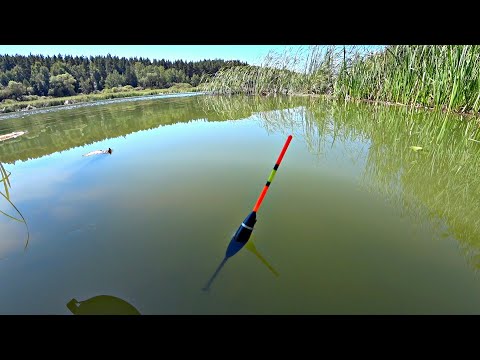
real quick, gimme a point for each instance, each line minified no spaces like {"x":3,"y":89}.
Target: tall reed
{"x":436,"y":76}
{"x":305,"y":70}
{"x":439,"y":76}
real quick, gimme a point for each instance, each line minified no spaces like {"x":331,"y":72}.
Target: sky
{"x":252,"y":54}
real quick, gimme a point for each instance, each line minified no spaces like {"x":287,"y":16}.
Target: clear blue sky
{"x":252,"y":54}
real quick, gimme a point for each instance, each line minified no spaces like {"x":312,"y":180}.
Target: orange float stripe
{"x":272,"y":175}
{"x":260,"y":198}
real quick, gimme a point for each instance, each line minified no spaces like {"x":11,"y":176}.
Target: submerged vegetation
{"x":434,"y":76}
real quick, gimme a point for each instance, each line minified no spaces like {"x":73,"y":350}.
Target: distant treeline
{"x":27,"y":77}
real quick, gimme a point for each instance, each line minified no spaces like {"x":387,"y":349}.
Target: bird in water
{"x":96,"y":152}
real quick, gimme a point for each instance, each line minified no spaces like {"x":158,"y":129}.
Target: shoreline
{"x":444,"y":109}
{"x":22,"y":107}
{"x":48,"y":103}
{"x":23,"y":113}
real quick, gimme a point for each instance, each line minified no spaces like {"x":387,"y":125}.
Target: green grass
{"x":433,"y":76}
{"x":306,"y":71}
{"x":12,"y":105}
{"x":440,"y":76}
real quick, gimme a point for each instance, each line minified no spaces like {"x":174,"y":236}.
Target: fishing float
{"x":244,"y":231}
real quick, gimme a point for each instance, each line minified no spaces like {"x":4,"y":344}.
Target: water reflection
{"x":441,"y":181}
{"x":102,"y":305}
{"x":443,"y":178}
{"x":438,"y":186}
{"x":5,"y":175}
{"x":57,"y":131}
{"x":250,"y":246}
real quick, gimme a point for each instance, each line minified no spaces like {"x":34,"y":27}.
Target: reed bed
{"x":440,"y":76}
{"x":434,"y":76}
{"x":306,"y":70}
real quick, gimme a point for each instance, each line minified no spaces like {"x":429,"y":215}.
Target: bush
{"x":30,"y":97}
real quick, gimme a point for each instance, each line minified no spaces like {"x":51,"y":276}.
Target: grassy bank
{"x":434,"y":76}
{"x":121,"y":92}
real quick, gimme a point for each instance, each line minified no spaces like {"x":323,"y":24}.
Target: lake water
{"x":355,"y":222}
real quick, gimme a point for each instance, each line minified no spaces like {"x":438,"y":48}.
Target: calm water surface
{"x":355,"y":222}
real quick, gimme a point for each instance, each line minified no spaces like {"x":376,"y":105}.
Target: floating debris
{"x":12,"y":135}
{"x":97,"y":152}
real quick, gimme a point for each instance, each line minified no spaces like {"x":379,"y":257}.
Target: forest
{"x":33,"y":76}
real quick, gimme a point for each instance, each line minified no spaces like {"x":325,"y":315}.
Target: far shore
{"x":46,"y":102}
{"x":16,"y":106}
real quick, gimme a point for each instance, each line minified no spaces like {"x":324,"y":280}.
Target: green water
{"x":355,"y":222}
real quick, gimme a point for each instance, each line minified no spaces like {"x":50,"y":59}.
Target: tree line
{"x":24,"y":77}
